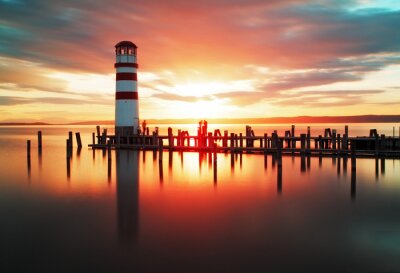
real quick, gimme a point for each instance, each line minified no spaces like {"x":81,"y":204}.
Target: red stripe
{"x":126,"y":65}
{"x":126,"y":76}
{"x":126,"y":95}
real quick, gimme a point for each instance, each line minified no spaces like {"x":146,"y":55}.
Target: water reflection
{"x":279,"y":178}
{"x":232,"y":162}
{"x":68,"y":168}
{"x":170,"y":160}
{"x":40,"y":158}
{"x":353,"y":184}
{"x":224,"y":215}
{"x":265,"y":161}
{"x":215,"y":174}
{"x":109,"y":166}
{"x":28,"y":161}
{"x":127,"y":174}
{"x":353,"y":177}
{"x":303,"y":164}
{"x":78,"y":152}
{"x":160,"y":171}
{"x":382,"y":166}
{"x":345,"y":159}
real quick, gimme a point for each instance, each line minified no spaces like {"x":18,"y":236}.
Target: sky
{"x":200,"y":59}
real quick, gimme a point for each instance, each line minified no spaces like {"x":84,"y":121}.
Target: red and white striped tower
{"x":126,"y":95}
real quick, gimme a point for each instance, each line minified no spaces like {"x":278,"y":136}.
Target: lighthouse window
{"x":122,"y":50}
{"x":130,"y":51}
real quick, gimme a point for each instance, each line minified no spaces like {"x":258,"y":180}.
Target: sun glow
{"x":203,"y":89}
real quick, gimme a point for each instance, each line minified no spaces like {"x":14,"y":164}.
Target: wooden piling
{"x":104,"y":136}
{"x":308,"y":139}
{"x":93,"y":139}
{"x":179,"y":138}
{"x":225,"y":139}
{"x":109,"y":150}
{"x":293,"y":136}
{"x":209,"y":140}
{"x":68,"y":148}
{"x":320,"y":144}
{"x":170,"y":138}
{"x":334,"y":140}
{"x":160,"y":150}
{"x":78,"y":139}
{"x":98,"y":134}
{"x":232,"y":141}
{"x":303,"y":143}
{"x":265,"y":143}
{"x":39,"y":140}
{"x":70,"y":139}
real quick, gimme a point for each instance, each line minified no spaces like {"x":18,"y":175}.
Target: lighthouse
{"x":126,"y":95}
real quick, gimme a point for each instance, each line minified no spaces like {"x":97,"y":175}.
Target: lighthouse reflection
{"x":127,"y":174}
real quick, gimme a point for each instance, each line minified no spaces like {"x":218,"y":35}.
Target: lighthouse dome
{"x":126,"y":43}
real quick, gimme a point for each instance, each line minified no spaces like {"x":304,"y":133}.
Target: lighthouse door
{"x":136,"y":124}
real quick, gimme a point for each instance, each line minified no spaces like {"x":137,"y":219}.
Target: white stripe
{"x":126,"y":86}
{"x":126,"y":70}
{"x":126,"y":113}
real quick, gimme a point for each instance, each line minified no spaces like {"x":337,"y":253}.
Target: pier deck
{"x":331,"y":144}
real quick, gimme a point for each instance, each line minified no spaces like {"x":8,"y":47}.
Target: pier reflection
{"x":353,"y":184}
{"x":345,"y":159}
{"x":40,"y":158}
{"x":160,"y":171}
{"x":303,"y":164}
{"x":382,"y":166}
{"x":28,"y":162}
{"x":127,"y":189}
{"x":279,"y":180}
{"x":68,"y":168}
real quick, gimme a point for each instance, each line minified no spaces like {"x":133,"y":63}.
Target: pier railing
{"x":330,"y":143}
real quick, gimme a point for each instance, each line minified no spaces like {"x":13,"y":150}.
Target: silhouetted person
{"x":144,"y":126}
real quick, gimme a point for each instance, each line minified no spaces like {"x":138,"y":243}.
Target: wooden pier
{"x":329,"y":144}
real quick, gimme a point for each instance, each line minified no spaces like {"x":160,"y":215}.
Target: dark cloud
{"x":288,"y":34}
{"x":306,"y":79}
{"x":12,"y":100}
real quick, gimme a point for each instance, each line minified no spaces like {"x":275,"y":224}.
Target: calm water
{"x":135,"y":215}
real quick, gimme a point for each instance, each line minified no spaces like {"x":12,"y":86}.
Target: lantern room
{"x":125,"y":52}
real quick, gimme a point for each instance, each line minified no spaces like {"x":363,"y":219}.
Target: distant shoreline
{"x":272,"y":120}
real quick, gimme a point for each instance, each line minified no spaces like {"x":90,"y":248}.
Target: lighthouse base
{"x":124,"y":131}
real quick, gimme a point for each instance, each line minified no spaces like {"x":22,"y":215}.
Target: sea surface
{"x":187,"y":214}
